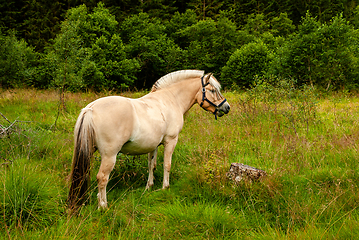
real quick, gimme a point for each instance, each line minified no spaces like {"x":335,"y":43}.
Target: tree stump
{"x":238,"y":172}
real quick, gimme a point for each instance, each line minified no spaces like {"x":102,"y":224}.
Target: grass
{"x":305,"y":141}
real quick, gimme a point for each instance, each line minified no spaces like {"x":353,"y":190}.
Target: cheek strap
{"x":204,"y":98}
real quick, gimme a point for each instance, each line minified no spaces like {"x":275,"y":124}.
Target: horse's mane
{"x":174,"y":77}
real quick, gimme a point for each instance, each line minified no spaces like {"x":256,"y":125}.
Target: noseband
{"x":204,"y":98}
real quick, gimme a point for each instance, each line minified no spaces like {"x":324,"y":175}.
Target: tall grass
{"x":30,"y":197}
{"x":307,"y":143}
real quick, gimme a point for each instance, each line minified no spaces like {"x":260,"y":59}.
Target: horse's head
{"x":210,"y":97}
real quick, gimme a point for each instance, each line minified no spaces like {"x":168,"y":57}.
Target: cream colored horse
{"x":138,"y":126}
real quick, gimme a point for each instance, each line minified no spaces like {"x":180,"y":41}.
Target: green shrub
{"x":17,"y":62}
{"x":325,"y":55}
{"x":247,"y":62}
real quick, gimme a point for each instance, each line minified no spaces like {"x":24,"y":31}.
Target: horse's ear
{"x":207,"y":77}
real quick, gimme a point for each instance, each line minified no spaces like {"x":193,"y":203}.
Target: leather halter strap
{"x":204,"y":98}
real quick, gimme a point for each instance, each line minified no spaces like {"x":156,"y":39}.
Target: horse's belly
{"x":135,"y":148}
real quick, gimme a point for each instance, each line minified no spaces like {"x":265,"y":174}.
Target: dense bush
{"x":17,"y":62}
{"x":324,"y":55}
{"x":247,"y":62}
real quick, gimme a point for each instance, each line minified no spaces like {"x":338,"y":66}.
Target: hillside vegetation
{"x":103,"y":46}
{"x":306,"y":142}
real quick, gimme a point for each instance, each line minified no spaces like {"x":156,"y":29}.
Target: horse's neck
{"x":184,"y":93}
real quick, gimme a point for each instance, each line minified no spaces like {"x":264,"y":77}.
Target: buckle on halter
{"x":203,"y":89}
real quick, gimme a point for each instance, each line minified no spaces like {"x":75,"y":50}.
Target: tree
{"x":199,"y":53}
{"x":161,"y":9}
{"x":325,"y":55}
{"x":206,"y":8}
{"x":282,"y":25}
{"x":41,"y":22}
{"x":88,"y":53}
{"x":210,"y":44}
{"x":109,"y":66}
{"x":68,"y":58}
{"x":17,"y":62}
{"x":355,"y":17}
{"x":226,"y":41}
{"x":145,"y":39}
{"x":10,"y":15}
{"x":122,"y":9}
{"x":177,"y":24}
{"x":256,"y":24}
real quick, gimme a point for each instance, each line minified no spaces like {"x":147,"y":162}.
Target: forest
{"x":116,"y":45}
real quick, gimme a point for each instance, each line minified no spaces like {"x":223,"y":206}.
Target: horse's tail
{"x":84,"y":137}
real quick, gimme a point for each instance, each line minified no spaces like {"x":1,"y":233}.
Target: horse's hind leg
{"x":152,"y":158}
{"x":107,"y":164}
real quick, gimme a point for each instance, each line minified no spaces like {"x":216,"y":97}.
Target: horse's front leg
{"x":107,"y":164}
{"x":152,"y":160}
{"x":169,"y":147}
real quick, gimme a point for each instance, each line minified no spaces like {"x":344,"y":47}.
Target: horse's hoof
{"x":102,"y":206}
{"x":148,"y":187}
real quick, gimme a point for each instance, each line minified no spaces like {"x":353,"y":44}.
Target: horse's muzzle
{"x":224,"y":109}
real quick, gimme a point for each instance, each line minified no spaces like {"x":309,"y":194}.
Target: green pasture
{"x":306,"y":141}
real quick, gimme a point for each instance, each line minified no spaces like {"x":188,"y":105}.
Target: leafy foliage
{"x":282,"y":25}
{"x":323,"y":55}
{"x":247,"y":62}
{"x":130,"y":45}
{"x":68,"y":58}
{"x":17,"y":62}
{"x":88,"y":53}
{"x":210,"y":43}
{"x":145,"y":39}
{"x":177,"y":25}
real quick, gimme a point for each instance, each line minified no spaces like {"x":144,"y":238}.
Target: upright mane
{"x":174,"y":77}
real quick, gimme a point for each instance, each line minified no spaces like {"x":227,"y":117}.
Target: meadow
{"x":305,"y":140}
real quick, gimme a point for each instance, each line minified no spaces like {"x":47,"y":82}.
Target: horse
{"x":116,"y":124}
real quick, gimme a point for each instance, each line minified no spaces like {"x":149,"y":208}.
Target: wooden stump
{"x":238,"y":172}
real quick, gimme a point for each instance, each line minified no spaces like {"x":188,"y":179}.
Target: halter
{"x":204,"y":98}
